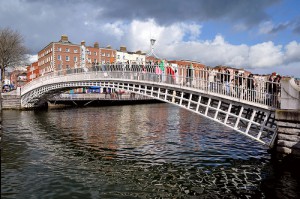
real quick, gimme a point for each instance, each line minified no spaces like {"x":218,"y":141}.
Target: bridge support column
{"x":290,"y":94}
{"x":288,"y":134}
{"x":288,"y":121}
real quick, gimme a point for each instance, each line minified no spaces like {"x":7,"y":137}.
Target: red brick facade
{"x":63,"y":55}
{"x":185,"y":63}
{"x":32,"y":71}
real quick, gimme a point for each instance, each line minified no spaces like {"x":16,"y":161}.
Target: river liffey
{"x":136,"y":151}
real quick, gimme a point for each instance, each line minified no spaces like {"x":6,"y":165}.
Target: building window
{"x":95,"y":60}
{"x":59,"y":48}
{"x":58,"y":57}
{"x":67,"y":50}
{"x":75,"y":59}
{"x":124,"y":57}
{"x":95,"y":53}
{"x":75,"y":50}
{"x":67,"y":58}
{"x":103,"y":54}
{"x":118,"y":56}
{"x":108,"y":55}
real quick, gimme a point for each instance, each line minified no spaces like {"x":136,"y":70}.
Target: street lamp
{"x":151,"y":53}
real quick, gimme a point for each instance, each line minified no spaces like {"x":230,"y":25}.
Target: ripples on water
{"x":141,"y":151}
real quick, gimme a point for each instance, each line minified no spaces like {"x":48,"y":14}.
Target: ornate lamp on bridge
{"x":151,"y":53}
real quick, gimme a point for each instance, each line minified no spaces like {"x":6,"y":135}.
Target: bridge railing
{"x":254,"y":89}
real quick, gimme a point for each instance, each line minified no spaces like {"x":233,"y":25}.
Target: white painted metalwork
{"x":244,"y":109}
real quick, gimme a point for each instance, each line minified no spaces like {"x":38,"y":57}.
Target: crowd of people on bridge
{"x":225,"y":80}
{"x":222,"y":80}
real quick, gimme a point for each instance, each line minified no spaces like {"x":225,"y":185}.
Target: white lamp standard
{"x":151,"y":53}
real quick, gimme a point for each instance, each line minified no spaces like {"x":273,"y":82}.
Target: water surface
{"x":137,"y":151}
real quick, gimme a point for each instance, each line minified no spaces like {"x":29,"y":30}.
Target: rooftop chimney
{"x":96,"y":45}
{"x":108,"y":47}
{"x":83,"y":43}
{"x":64,"y":38}
{"x":123,"y":49}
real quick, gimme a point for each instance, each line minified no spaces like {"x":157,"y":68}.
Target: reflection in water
{"x":141,"y":151}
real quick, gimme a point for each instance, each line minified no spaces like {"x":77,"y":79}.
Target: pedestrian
{"x":211,"y":79}
{"x":189,"y":75}
{"x":237,"y":83}
{"x":251,"y":88}
{"x":227,"y":81}
{"x":276,"y":90}
{"x":269,"y":89}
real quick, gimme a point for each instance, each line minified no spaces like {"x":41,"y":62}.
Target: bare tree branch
{"x":12,"y":50}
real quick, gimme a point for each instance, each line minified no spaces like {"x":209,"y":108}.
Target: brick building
{"x":64,"y":55}
{"x":184,"y":64}
{"x":59,"y":55}
{"x":152,"y":59}
{"x":18,"y":77}
{"x":32,"y":71}
{"x":108,"y":55}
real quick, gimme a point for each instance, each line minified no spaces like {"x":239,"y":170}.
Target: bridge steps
{"x":11,"y":102}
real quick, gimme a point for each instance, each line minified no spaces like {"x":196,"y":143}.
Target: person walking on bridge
{"x":251,"y":88}
{"x":227,"y":81}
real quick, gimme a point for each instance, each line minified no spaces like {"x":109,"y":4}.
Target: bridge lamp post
{"x":152,"y":42}
{"x":151,"y":53}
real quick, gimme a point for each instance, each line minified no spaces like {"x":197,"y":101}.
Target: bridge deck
{"x":245,"y":104}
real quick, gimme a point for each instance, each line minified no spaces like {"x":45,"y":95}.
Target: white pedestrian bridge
{"x":246,"y":105}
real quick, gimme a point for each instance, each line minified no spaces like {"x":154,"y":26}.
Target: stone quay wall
{"x":288,"y":138}
{"x":11,"y":102}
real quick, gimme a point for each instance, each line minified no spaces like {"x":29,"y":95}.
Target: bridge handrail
{"x":255,"y":89}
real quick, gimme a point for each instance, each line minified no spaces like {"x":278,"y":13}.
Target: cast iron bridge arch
{"x":249,"y":115}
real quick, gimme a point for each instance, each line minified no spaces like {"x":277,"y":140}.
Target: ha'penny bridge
{"x":245,"y":104}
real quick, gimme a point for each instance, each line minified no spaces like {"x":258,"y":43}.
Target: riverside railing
{"x":254,"y":89}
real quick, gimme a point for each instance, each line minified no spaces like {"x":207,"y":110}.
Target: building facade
{"x":187,"y":68}
{"x":123,"y":56}
{"x":107,"y":55}
{"x":32,"y":71}
{"x":64,"y":55}
{"x":61,"y":55}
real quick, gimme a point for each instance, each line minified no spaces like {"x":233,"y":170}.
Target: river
{"x":134,"y":151}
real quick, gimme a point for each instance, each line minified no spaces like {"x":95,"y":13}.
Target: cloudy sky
{"x":262,"y":36}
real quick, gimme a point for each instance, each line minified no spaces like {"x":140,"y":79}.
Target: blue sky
{"x":262,"y":36}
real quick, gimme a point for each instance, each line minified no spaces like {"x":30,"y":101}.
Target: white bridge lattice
{"x":244,"y":109}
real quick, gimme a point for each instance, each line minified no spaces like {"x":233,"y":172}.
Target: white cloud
{"x":265,"y":27}
{"x":32,"y":58}
{"x":115,"y":29}
{"x":265,"y":54}
{"x":193,"y":30}
{"x":240,"y":27}
{"x":292,"y":53}
{"x":181,"y":41}
{"x":292,"y":69}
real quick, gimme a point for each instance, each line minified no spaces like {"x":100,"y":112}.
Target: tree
{"x":12,"y":50}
